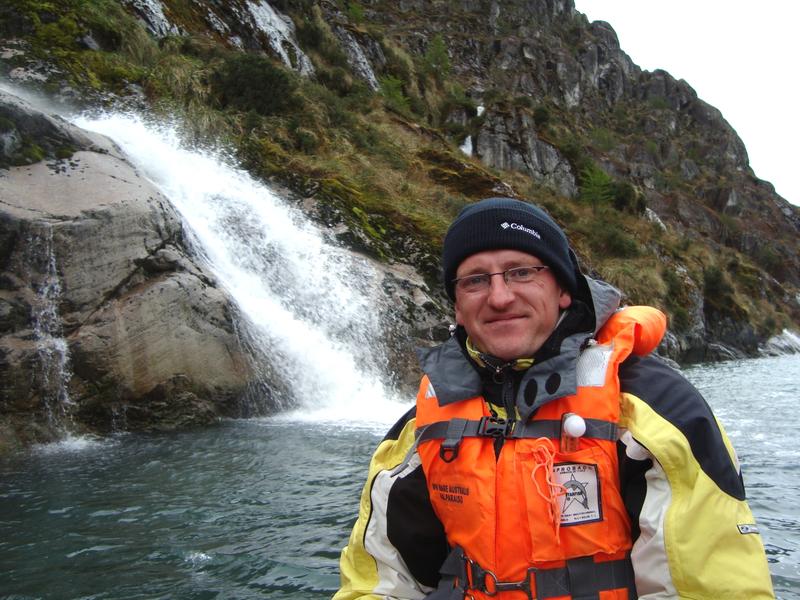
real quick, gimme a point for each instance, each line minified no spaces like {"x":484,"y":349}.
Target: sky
{"x":739,"y":56}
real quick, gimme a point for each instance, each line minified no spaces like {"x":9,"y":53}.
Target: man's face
{"x":505,"y":321}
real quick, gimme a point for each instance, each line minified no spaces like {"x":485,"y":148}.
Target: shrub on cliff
{"x":436,"y":61}
{"x":251,"y":82}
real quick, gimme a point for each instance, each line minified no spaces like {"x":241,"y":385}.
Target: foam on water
{"x":73,"y":444}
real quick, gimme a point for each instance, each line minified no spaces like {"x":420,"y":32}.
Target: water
{"x":52,"y":357}
{"x":260,"y":508}
{"x":252,"y":509}
{"x":756,"y":401}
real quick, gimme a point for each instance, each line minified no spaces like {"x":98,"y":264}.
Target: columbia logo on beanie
{"x":533,"y":232}
{"x":504,"y":223}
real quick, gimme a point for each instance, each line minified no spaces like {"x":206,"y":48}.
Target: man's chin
{"x":509,"y":353}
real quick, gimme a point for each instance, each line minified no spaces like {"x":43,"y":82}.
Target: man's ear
{"x":459,"y":320}
{"x":564,"y":299}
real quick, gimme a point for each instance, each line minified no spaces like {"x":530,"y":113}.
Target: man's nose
{"x":500,"y":293}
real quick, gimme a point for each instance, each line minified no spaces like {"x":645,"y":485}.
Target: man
{"x":548,"y":455}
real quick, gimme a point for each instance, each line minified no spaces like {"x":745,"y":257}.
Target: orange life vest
{"x":545,"y":518}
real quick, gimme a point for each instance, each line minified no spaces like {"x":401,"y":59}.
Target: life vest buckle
{"x":485,"y":581}
{"x":448,"y":453}
{"x":495,"y":427}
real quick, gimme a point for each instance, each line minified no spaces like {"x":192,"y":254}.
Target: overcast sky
{"x":739,"y":56}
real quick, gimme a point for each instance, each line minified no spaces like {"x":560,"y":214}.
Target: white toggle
{"x":574,"y":426}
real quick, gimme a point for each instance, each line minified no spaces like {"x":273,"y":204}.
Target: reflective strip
{"x":592,"y":366}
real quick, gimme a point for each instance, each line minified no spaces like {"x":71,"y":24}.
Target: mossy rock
{"x":460,"y":176}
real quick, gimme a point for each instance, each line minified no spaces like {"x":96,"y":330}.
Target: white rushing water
{"x":311,"y":308}
{"x":53,"y":368}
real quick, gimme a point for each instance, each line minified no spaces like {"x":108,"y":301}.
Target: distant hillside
{"x":384,"y":118}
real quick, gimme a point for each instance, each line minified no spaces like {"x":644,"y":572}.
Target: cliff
{"x":383,"y":119}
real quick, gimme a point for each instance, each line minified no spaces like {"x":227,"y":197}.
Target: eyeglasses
{"x":481,"y":282}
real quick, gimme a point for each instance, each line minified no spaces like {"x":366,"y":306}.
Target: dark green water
{"x":250,"y":509}
{"x":260,"y":509}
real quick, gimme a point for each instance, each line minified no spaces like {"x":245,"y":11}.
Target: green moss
{"x":343,"y":191}
{"x":261,"y":156}
{"x":458,"y":175}
{"x":6,"y":125}
{"x":61,"y":34}
{"x":64,"y":152}
{"x":111,"y":70}
{"x":375,"y":232}
{"x":355,"y":13}
{"x":29,"y":153}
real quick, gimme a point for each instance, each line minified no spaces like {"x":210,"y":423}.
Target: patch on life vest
{"x":581,"y":502}
{"x":747,"y":528}
{"x":593,"y":365}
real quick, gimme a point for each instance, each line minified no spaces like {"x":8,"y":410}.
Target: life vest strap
{"x":582,"y":579}
{"x":595,"y":429}
{"x":454,"y":430}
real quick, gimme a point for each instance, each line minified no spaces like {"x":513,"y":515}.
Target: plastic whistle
{"x":572,"y":428}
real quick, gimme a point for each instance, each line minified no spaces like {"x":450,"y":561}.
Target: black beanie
{"x":506,"y":224}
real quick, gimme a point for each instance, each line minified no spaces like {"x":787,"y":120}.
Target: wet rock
{"x":102,"y":310}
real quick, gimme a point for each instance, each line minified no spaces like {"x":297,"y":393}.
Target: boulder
{"x":102,"y":310}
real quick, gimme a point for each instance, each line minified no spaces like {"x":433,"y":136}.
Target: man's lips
{"x":500,"y":319}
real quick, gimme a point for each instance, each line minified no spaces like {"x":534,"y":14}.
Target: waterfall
{"x":52,"y":353}
{"x":787,"y":342}
{"x":311,"y":308}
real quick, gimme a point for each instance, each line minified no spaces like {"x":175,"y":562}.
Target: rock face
{"x":509,"y":141}
{"x":544,"y":77}
{"x":106,"y":322}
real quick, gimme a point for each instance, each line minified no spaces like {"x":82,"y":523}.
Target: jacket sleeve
{"x":397,"y":543}
{"x":694,"y":535}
